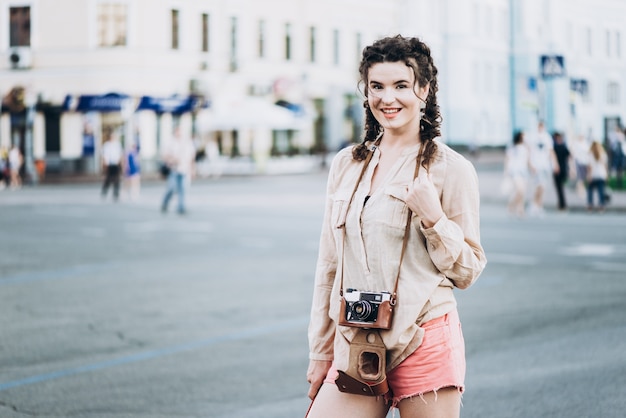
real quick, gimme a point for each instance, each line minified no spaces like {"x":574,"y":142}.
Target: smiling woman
{"x":399,"y":195}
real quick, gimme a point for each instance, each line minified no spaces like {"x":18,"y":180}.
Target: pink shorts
{"x":437,"y":363}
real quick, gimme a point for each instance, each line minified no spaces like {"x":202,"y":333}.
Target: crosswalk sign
{"x":552,"y":66}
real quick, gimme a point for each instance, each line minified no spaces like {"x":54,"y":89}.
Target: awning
{"x":116,"y":102}
{"x":176,"y":105}
{"x":251,"y":113}
{"x":111,"y":102}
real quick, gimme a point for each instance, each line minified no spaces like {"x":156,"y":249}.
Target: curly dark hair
{"x":416,"y":55}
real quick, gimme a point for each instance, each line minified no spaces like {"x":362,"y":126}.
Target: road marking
{"x":599,"y":250}
{"x":153,"y":354}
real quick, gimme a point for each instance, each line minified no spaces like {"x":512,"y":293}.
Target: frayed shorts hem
{"x":395,"y":400}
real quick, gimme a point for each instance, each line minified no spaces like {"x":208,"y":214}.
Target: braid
{"x":372,"y":131}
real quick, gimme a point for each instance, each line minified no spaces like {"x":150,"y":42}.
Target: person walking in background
{"x":180,"y":156}
{"x":579,"y":148}
{"x":561,"y":168}
{"x":617,"y":144}
{"x":542,"y":162}
{"x":112,"y":155}
{"x":516,"y":170}
{"x":597,"y":175}
{"x":5,"y":174}
{"x":15,"y":165}
{"x":213,"y":157}
{"x":133,"y":172}
{"x":400,"y":190}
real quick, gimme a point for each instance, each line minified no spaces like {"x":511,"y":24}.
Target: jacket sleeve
{"x":321,"y":330}
{"x":454,"y":241}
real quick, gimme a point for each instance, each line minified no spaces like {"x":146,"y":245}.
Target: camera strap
{"x":405,"y":240}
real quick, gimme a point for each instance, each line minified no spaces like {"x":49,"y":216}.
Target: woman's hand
{"x":316,"y":374}
{"x":423,"y":199}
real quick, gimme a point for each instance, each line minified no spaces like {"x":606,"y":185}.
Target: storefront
{"x":142,"y":121}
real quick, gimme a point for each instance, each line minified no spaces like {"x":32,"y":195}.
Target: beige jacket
{"x":437,"y":259}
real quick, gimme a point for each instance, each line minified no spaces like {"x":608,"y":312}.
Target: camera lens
{"x":361,"y":309}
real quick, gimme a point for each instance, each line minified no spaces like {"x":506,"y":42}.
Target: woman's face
{"x":393,"y":96}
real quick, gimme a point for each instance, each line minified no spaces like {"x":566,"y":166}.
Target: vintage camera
{"x":362,"y":307}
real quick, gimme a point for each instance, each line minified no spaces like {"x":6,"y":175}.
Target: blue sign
{"x":175,"y":105}
{"x":579,"y":85}
{"x":112,"y":102}
{"x":552,"y":66}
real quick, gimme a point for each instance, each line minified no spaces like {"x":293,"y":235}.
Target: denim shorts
{"x":439,"y":362}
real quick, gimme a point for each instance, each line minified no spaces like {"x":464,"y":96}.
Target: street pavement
{"x":111,"y":310}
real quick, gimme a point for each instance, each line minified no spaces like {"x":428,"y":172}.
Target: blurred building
{"x":279,"y":77}
{"x":260,"y":78}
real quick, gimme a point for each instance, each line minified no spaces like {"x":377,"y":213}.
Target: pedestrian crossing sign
{"x":552,"y":66}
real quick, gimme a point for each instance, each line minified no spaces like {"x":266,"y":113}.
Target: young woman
{"x":362,"y":242}
{"x":517,"y":169}
{"x":597,"y":175}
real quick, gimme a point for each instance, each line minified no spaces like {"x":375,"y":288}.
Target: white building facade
{"x":279,"y":77}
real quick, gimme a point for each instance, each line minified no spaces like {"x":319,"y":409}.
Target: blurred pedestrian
{"x":561,"y":168}
{"x":5,"y":173}
{"x":516,"y":170}
{"x":579,"y":148}
{"x":213,"y":158}
{"x":597,"y":175}
{"x":542,"y":163}
{"x":15,"y":165}
{"x":617,"y":145}
{"x":180,"y":156}
{"x":133,"y":172}
{"x":112,"y":155}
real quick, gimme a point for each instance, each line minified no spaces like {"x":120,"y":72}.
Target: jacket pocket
{"x":396,"y":207}
{"x":339,"y":211}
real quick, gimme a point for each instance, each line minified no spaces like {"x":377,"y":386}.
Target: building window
{"x":613,"y":93}
{"x":205,"y":32}
{"x":112,"y":24}
{"x":233,"y":44}
{"x":312,"y":46}
{"x":608,"y":43}
{"x":19,"y":26}
{"x":618,"y":44}
{"x":175,"y":29}
{"x":336,"y":47}
{"x":261,"y":51}
{"x":288,"y":41}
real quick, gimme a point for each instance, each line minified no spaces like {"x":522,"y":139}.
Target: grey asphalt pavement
{"x":111,"y":310}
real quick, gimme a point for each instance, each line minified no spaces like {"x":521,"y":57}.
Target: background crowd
{"x":536,"y":159}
